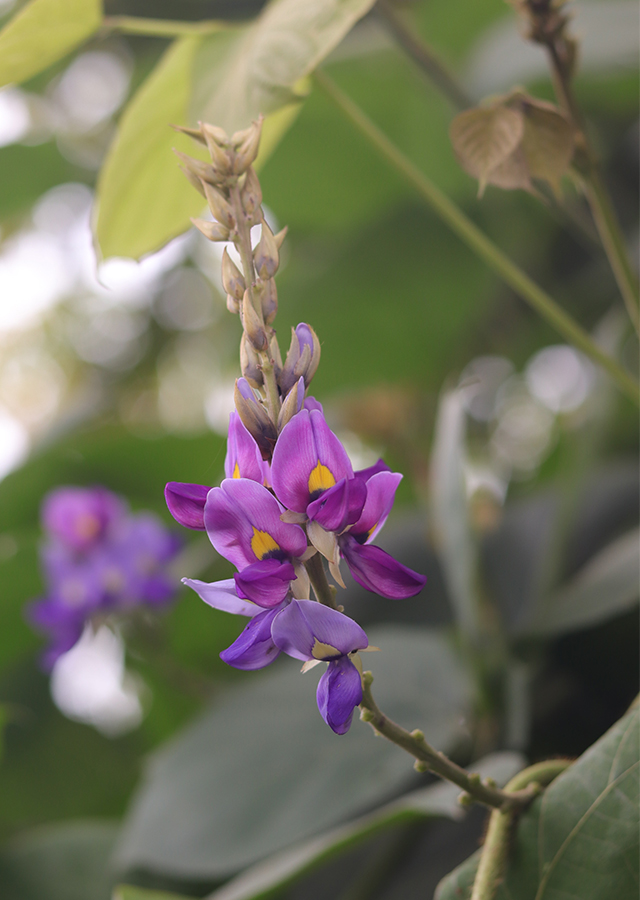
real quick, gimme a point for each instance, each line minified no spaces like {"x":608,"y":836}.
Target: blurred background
{"x":121,"y":372}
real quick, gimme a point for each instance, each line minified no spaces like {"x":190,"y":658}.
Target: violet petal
{"x":381,"y":490}
{"x":186,"y":503}
{"x":379,"y":572}
{"x":308,"y":630}
{"x":254,"y":648}
{"x":265,"y":582}
{"x":339,"y":692}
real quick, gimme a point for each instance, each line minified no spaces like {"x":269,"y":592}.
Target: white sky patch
{"x":218,"y":405}
{"x":91,"y":89}
{"x":15,"y":117}
{"x":560,"y":378}
{"x":89,"y":684}
{"x":14,"y":443}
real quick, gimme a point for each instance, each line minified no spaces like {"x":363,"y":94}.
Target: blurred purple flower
{"x":97,"y":558}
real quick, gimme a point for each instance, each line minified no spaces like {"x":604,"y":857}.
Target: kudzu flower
{"x":97,"y":558}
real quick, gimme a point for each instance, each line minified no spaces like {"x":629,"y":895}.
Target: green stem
{"x":477,"y":241}
{"x":422,"y":55}
{"x":160,"y":27}
{"x":319,"y":583}
{"x":431,"y":760}
{"x":493,"y":861}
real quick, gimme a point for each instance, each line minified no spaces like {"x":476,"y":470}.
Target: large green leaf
{"x":227,"y":78}
{"x":436,"y":800}
{"x":261,"y":770}
{"x":67,"y":861}
{"x":606,"y":586}
{"x":43,"y":32}
{"x":580,"y":840}
{"x":131,"y":892}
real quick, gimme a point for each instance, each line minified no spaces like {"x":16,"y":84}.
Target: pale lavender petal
{"x":186,"y":503}
{"x":366,"y":474}
{"x":381,"y":491}
{"x":339,"y":692}
{"x":340,"y":505}
{"x":266,"y":582}
{"x":304,"y":623}
{"x":379,"y":572}
{"x":243,"y":459}
{"x":238,"y":510}
{"x":305,"y":444}
{"x":254,"y":649}
{"x":223,"y":595}
{"x":311,"y":403}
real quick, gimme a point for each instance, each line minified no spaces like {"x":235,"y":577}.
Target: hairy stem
{"x":493,"y":861}
{"x":422,"y":55}
{"x":477,"y":241}
{"x":431,"y":760}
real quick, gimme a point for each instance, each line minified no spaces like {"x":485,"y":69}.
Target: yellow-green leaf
{"x":43,"y":32}
{"x":144,"y":199}
{"x":485,"y":138}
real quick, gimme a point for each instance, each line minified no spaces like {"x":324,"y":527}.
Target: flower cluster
{"x":97,"y":558}
{"x":291,"y":498}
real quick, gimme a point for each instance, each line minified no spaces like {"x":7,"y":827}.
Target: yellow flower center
{"x":262,"y":543}
{"x":236,"y":471}
{"x":320,"y":479}
{"x":324,"y":651}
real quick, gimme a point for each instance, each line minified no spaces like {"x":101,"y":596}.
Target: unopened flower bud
{"x":255,"y":418}
{"x":280,"y":236}
{"x":218,"y":146}
{"x":232,"y":278}
{"x":219,"y":206}
{"x":268,"y":294}
{"x":274,"y":353}
{"x":266,"y":256}
{"x":251,"y":193}
{"x":249,"y":362}
{"x":302,"y":359}
{"x":201,"y":170}
{"x":292,"y":404}
{"x":193,"y":180}
{"x":233,"y":305}
{"x":253,"y":324}
{"x":246,"y":144}
{"x":195,"y":133}
{"x":213,"y":231}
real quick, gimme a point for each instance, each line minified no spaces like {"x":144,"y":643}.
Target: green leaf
{"x":227,"y":78}
{"x":437,"y":800}
{"x":606,"y":586}
{"x":450,"y":510}
{"x":67,"y":861}
{"x":261,"y":770}
{"x":43,"y":32}
{"x":579,"y":841}
{"x":144,"y":200}
{"x":131,"y":892}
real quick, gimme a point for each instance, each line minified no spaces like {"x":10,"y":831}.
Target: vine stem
{"x":477,"y":241}
{"x":431,"y":760}
{"x":493,"y":860}
{"x":422,"y":55}
{"x":243,"y":245}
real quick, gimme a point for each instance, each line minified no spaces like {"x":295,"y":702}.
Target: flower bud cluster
{"x":98,"y":558}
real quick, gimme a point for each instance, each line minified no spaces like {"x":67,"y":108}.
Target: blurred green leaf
{"x":27,"y":172}
{"x":131,"y":892}
{"x":580,"y":839}
{"x":67,"y":861}
{"x":261,"y":769}
{"x":450,"y":510}
{"x":42,"y":32}
{"x":143,"y":199}
{"x":265,"y":878}
{"x":606,"y":586}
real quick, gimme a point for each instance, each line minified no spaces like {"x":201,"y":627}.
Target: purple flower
{"x":371,"y":566}
{"x":311,"y":473}
{"x":125,"y":564}
{"x":314,"y":633}
{"x":80,"y":517}
{"x":186,"y":503}
{"x":243,"y":459}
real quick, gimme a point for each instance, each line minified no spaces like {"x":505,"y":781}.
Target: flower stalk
{"x":495,"y":852}
{"x":428,"y":759}
{"x":479,"y":243}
